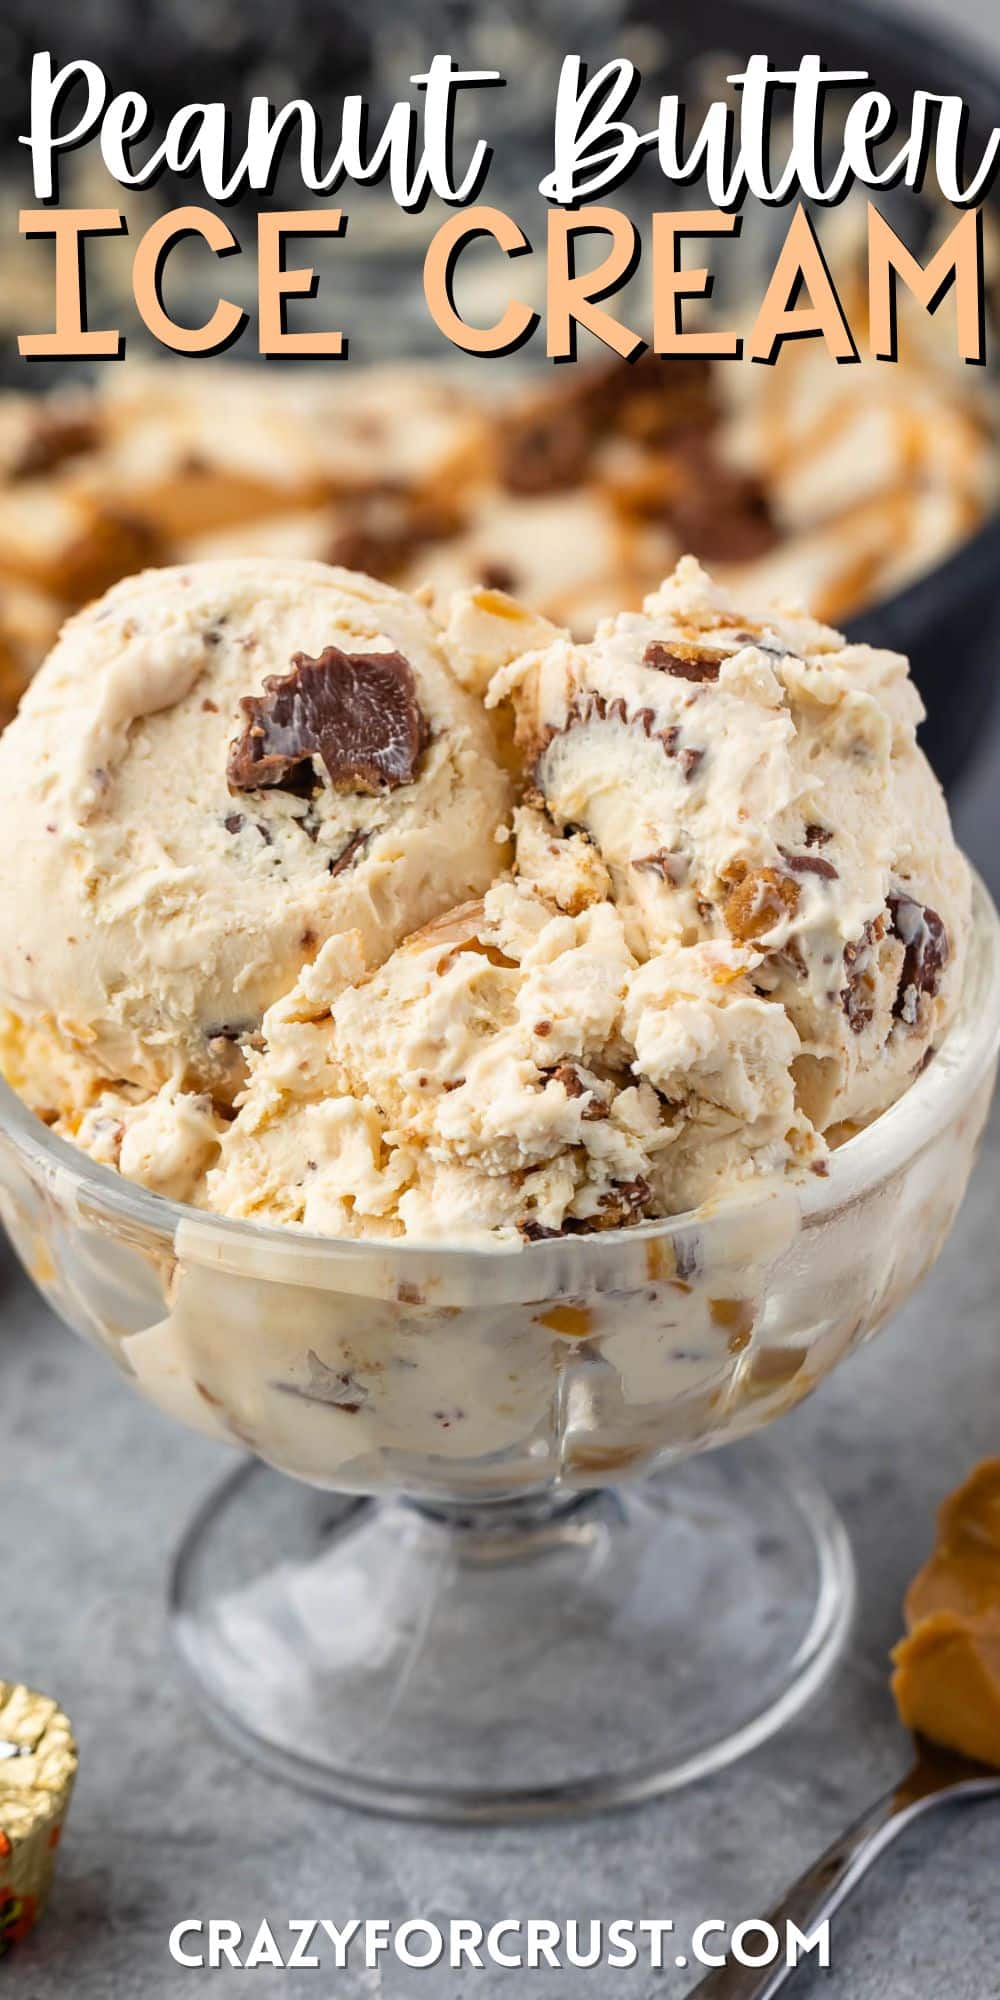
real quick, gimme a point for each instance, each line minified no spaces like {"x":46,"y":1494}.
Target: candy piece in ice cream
{"x":925,"y":953}
{"x":148,"y":915}
{"x":357,"y":713}
{"x":751,"y":776}
{"x":947,"y":1669}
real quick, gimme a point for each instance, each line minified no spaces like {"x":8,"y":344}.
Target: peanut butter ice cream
{"x":264,"y":948}
{"x":576,"y":491}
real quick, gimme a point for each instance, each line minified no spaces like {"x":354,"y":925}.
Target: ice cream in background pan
{"x":576,"y":493}
{"x":264,"y":946}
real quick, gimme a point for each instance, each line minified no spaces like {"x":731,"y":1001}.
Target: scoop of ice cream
{"x":219,"y":768}
{"x":754,"y":780}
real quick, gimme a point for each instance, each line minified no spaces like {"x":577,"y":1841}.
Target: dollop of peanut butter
{"x":947,"y":1669}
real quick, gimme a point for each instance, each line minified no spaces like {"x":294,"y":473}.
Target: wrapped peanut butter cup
{"x":37,"y":1769}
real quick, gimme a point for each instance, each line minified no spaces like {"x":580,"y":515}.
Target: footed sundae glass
{"x":508,"y":1576}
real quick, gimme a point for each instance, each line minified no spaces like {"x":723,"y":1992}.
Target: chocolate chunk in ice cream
{"x":809,"y":864}
{"x":348,"y":854}
{"x":357,"y":712}
{"x":925,"y":952}
{"x":576,"y":1085}
{"x":622,"y":1204}
{"x":684,"y":662}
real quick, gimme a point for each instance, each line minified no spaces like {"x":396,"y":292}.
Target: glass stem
{"x":510,"y":1530}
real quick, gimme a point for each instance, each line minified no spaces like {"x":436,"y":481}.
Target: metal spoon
{"x":938,"y":1778}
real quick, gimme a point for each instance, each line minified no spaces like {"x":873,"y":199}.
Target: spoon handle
{"x":816,"y":1895}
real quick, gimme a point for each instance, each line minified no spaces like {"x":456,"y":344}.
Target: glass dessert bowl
{"x":503,"y":1579}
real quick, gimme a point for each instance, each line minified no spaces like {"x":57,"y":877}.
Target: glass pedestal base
{"x":505,"y":1661}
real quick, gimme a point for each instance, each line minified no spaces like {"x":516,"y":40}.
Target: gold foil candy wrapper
{"x":37,"y":1769}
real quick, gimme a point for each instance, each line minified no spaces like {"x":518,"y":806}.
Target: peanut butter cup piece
{"x":356,"y":712}
{"x":924,"y":938}
{"x":685,"y":662}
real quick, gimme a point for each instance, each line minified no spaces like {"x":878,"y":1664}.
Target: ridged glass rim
{"x":862,"y":1162}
